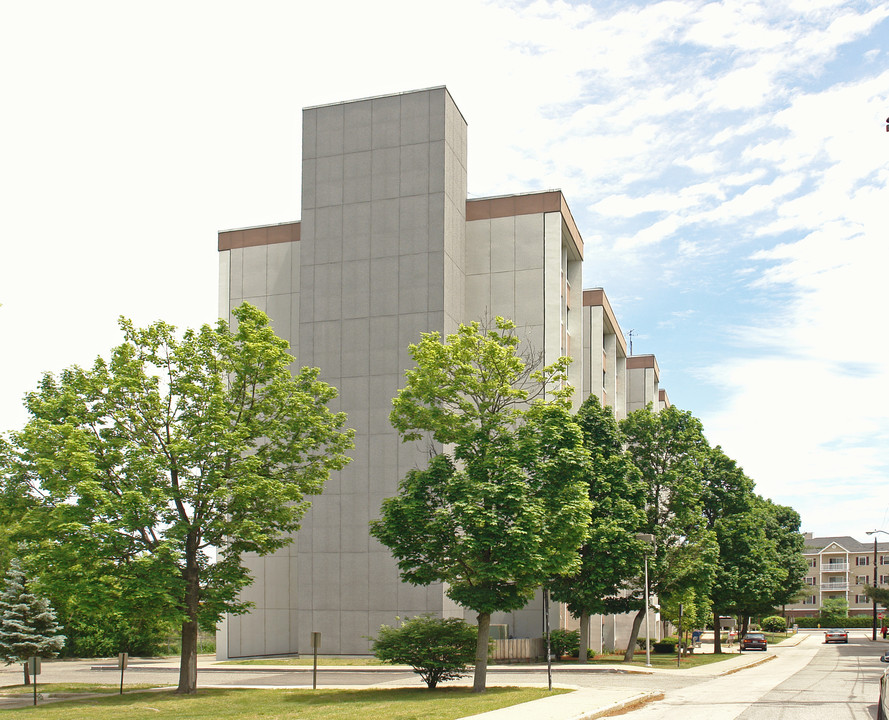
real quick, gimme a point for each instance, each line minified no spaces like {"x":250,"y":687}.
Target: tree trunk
{"x":634,"y":633}
{"x":481,"y":653}
{"x":188,"y":660}
{"x":584,"y":637}
{"x":745,"y":624}
{"x":717,"y":633}
{"x":27,"y":674}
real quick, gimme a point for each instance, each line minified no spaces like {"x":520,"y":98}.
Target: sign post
{"x":316,"y":646}
{"x":679,"y":654}
{"x":34,"y":670}
{"x":122,"y":664}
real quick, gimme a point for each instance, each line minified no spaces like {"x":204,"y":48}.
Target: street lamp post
{"x":874,"y":533}
{"x":648,"y":539}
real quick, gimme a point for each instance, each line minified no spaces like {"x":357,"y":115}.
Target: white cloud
{"x":680,"y":132}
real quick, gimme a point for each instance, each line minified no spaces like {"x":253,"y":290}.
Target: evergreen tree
{"x":28,"y":624}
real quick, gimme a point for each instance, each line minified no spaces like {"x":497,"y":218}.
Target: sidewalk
{"x":582,"y":704}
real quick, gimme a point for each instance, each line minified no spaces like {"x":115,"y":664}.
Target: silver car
{"x":838,"y":635}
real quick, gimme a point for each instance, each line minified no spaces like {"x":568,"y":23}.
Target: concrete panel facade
{"x":643,"y":383}
{"x":388,"y":247}
{"x":604,"y":353}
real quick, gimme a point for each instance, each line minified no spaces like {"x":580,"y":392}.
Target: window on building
{"x":861,"y":579}
{"x":812,"y":562}
{"x":809,"y":600}
{"x":810,"y":580}
{"x":862,"y":560}
{"x":884,"y":579}
{"x":884,"y":559}
{"x":860,"y":599}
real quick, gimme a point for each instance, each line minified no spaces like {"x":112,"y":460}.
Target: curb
{"x":732,"y":671}
{"x":622,"y":706}
{"x":516,"y":669}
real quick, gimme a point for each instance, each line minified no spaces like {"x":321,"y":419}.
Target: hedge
{"x":854,"y":621}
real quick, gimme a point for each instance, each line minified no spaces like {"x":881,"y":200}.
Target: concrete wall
{"x":604,"y":353}
{"x":643,"y":383}
{"x":380,"y":260}
{"x":388,"y":247}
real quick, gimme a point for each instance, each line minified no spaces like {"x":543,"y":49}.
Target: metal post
{"x":316,"y":646}
{"x":875,"y":585}
{"x":33,"y":665}
{"x":122,"y":664}
{"x":647,"y":619}
{"x":549,"y":659}
{"x":679,"y":653}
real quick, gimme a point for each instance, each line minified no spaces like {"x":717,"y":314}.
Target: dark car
{"x":883,"y":704}
{"x":754,"y":641}
{"x":836,"y":636}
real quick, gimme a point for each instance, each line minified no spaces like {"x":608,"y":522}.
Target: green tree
{"x":881,"y":595}
{"x":669,"y":449}
{"x":746,"y":570}
{"x":760,"y":564}
{"x":783,"y":529}
{"x":749,"y":571}
{"x":696,"y":611}
{"x":611,"y":555}
{"x":174,"y":447}
{"x":507,"y":508}
{"x":28,"y":626}
{"x":438,"y":649}
{"x":15,"y":501}
{"x":833,"y":610}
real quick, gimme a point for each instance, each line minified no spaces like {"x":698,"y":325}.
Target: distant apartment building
{"x":840,"y":567}
{"x":389,"y":247}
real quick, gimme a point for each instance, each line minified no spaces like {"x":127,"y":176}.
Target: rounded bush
{"x":774,"y":624}
{"x":438,"y":649}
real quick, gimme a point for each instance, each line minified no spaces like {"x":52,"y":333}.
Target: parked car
{"x":836,"y":636}
{"x":754,"y":641}
{"x":883,"y":703}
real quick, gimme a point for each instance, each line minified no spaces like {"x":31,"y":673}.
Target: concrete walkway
{"x":582,"y":704}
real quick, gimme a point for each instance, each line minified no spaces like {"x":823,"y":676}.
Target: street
{"x":812,"y":681}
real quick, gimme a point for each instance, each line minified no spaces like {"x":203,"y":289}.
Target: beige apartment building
{"x":389,"y":247}
{"x":840,"y":567}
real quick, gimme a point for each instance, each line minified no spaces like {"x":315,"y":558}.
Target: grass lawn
{"x":67,"y":688}
{"x":775,"y":638}
{"x":446,"y":703}
{"x":657,"y":660}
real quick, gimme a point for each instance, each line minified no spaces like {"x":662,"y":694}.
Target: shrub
{"x":438,"y":649}
{"x":853,"y":621}
{"x":664,"y":647}
{"x":565,"y":642}
{"x":774,"y":624}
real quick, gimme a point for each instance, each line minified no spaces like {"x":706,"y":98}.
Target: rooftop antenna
{"x":630,"y":336}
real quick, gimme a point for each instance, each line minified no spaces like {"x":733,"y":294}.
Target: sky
{"x":727,"y":164}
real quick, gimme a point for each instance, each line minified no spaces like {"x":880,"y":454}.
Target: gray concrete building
{"x":604,"y":353}
{"x":388,"y":247}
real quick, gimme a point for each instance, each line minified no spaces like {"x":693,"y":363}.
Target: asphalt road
{"x":812,"y":681}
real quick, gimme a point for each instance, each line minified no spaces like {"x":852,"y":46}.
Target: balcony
{"x":835,"y":567}
{"x":835,"y":587}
